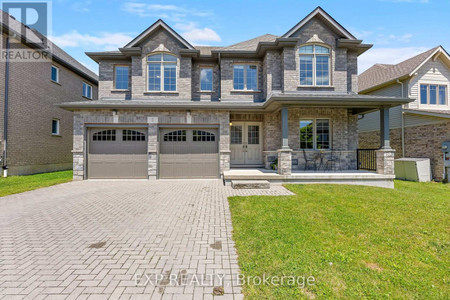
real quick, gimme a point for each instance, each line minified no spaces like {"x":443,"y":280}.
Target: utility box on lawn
{"x":413,"y":169}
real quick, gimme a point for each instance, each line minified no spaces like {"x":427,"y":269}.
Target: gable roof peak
{"x":159,"y":23}
{"x":324,"y":16}
{"x":381,"y":74}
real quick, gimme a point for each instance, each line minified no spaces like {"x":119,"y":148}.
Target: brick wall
{"x":32,"y":105}
{"x":420,"y":142}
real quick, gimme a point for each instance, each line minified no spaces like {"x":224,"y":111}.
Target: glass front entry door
{"x":246,"y":143}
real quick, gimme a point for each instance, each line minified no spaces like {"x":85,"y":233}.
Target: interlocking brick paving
{"x":164,"y":239}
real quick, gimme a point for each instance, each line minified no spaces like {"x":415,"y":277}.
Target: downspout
{"x":5,"y":112}
{"x":220,"y":80}
{"x":403,"y":122}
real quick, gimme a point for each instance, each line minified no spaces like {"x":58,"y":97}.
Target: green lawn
{"x":18,"y":184}
{"x":357,"y":242}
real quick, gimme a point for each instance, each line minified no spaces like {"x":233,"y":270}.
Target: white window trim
{"x":200,"y":78}
{"x":315,"y":134}
{"x":314,"y":64}
{"x":245,"y":77}
{"x":115,"y":76}
{"x":161,"y":86}
{"x":57,"y":74}
{"x":82,"y":93}
{"x":437,"y":105}
{"x":58,"y":127}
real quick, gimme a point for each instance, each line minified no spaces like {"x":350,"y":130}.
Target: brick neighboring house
{"x":167,"y":109}
{"x":419,"y":128}
{"x":39,"y":134}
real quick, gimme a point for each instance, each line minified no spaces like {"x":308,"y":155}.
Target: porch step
{"x":250,"y":184}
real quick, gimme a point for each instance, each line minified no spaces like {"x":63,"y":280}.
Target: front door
{"x":246,"y":143}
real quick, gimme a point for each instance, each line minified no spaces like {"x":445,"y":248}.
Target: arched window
{"x":162,"y":72}
{"x":314,"y":65}
{"x":175,"y":136}
{"x":203,"y":136}
{"x":105,"y":135}
{"x":132,"y":135}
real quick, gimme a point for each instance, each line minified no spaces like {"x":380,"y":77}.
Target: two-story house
{"x":419,"y":128}
{"x":167,"y":109}
{"x":35,"y":76}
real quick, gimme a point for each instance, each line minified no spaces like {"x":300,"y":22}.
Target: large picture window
{"x":314,"y":65}
{"x":162,"y":72}
{"x":245,"y":77}
{"x":433,"y":94}
{"x":315,"y":134}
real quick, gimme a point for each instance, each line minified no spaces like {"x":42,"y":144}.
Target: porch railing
{"x":367,"y":159}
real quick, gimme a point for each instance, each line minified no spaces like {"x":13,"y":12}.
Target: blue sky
{"x":397,"y":28}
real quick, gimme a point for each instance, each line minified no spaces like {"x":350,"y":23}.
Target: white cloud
{"x":104,"y":41}
{"x":163,"y":11}
{"x":197,"y":35}
{"x":387,"y":56}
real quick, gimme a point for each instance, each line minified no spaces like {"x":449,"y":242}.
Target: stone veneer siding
{"x":420,"y":142}
{"x":153,"y":119}
{"x":344,"y":135}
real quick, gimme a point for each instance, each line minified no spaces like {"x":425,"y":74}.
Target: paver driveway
{"x":120,"y":239}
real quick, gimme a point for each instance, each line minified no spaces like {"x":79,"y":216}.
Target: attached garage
{"x":117,"y":153}
{"x":189,"y":153}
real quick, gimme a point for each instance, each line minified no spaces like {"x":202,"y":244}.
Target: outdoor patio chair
{"x":333,"y":161}
{"x":308,"y":160}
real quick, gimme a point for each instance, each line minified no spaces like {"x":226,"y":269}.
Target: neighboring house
{"x":419,"y":128}
{"x":38,"y":134}
{"x":167,"y":109}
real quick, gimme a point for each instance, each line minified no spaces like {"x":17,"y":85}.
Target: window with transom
{"x":162,"y":72}
{"x":314,"y":65}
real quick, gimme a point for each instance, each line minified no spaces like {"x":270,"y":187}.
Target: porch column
{"x":284,"y":154}
{"x":384,"y":128}
{"x":385,"y":155}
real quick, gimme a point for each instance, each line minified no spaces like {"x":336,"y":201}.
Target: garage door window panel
{"x":133,"y":135}
{"x":105,"y":135}
{"x":175,"y":136}
{"x":203,"y":136}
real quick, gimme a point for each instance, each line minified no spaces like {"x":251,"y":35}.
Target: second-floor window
{"x":314,"y":65}
{"x":206,"y":79}
{"x":245,"y":77}
{"x":87,"y":90}
{"x":55,"y":74}
{"x":121,"y":77}
{"x":162,"y":72}
{"x":433,"y":94}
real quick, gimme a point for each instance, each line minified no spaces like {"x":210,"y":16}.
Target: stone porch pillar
{"x":385,"y":155}
{"x":285,"y":153}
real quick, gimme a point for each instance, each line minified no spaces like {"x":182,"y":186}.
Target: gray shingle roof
{"x":382,"y":73}
{"x":33,"y":36}
{"x":252,"y":44}
{"x":206,"y":50}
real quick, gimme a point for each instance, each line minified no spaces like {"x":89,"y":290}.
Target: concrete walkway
{"x":120,"y":239}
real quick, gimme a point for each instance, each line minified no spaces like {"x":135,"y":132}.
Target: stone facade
{"x":385,"y":161}
{"x":420,"y":141}
{"x":32,"y":106}
{"x":278,"y":70}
